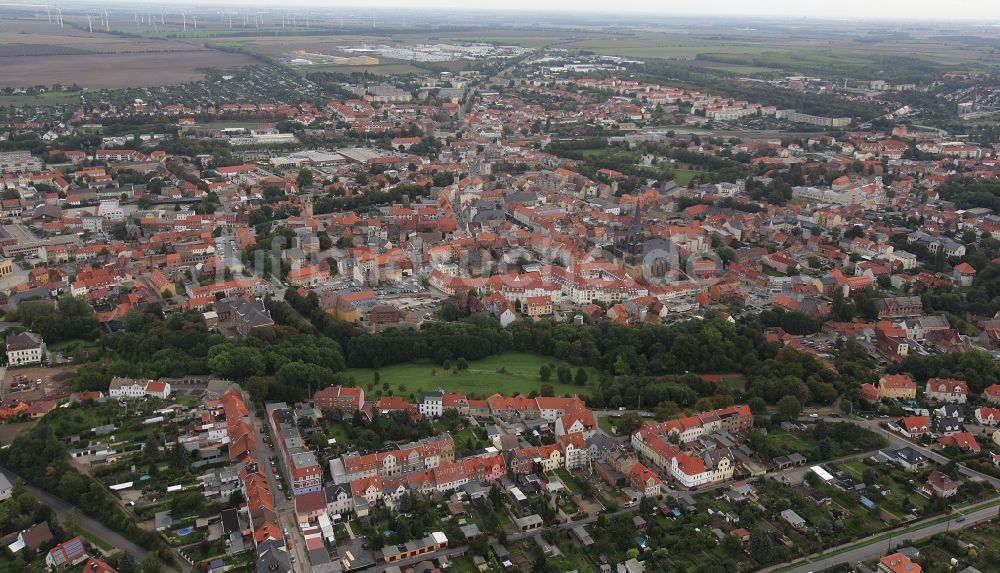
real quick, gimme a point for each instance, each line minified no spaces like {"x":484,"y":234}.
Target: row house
{"x":344,"y":398}
{"x":423,"y":455}
{"x":127,"y":389}
{"x":303,"y":472}
{"x":645,"y":480}
{"x":536,"y":459}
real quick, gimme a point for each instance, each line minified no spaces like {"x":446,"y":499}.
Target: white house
{"x":25,"y":348}
{"x":988,"y":416}
{"x":432,"y":403}
{"x":338,"y":500}
{"x":130,"y":389}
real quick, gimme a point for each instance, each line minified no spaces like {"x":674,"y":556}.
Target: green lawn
{"x":789,"y":442}
{"x":482,"y":378}
{"x":94,"y":539}
{"x":855,"y":468}
{"x":74,"y":343}
{"x":42,"y":99}
{"x":684,"y":176}
{"x":607,"y":424}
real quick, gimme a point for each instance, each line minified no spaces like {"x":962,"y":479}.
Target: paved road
{"x":284,"y":506}
{"x":63,"y":508}
{"x":897,"y":441}
{"x":880,"y":548}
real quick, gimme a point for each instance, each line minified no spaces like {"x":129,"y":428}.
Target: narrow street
{"x":284,"y":506}
{"x":63,"y":508}
{"x":897,"y":441}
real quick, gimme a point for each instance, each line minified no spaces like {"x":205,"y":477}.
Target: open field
{"x":117,"y":70}
{"x":481,"y":379}
{"x":684,"y":176}
{"x":46,"y":98}
{"x":53,"y":382}
{"x":39,"y":53}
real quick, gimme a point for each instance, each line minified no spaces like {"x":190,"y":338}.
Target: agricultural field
{"x":41,"y":99}
{"x":505,"y":373}
{"x":39,"y":53}
{"x":751,"y":52}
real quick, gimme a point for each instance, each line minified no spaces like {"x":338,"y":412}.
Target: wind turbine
{"x":60,"y":17}
{"x":90,"y":24}
{"x":184,"y":21}
{"x":107,"y":21}
{"x":48,"y":13}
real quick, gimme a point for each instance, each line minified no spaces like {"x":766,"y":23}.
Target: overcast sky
{"x":905,"y":9}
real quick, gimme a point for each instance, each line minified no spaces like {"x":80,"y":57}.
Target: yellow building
{"x":6,"y":267}
{"x":897,"y":386}
{"x":537,"y":306}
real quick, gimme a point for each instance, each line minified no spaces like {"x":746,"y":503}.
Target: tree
{"x":235,"y":362}
{"x":258,"y":387}
{"x":757,"y":405}
{"x":305,"y":177}
{"x":151,"y":564}
{"x":126,"y":563}
{"x":564,"y":374}
{"x":666,"y":410}
{"x":303,"y":374}
{"x":789,"y":408}
{"x":325,"y":242}
{"x":628,"y":423}
{"x":821,"y":432}
{"x":544,"y":372}
{"x":462,"y":364}
{"x":761,"y":547}
{"x":825,"y":449}
{"x":547,"y":390}
{"x":581,"y":377}
{"x":870,"y":476}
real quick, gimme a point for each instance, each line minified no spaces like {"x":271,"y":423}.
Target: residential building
{"x":25,"y":348}
{"x":897,"y":386}
{"x":66,"y":554}
{"x":897,"y":563}
{"x":947,"y":390}
{"x":345,"y":398}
